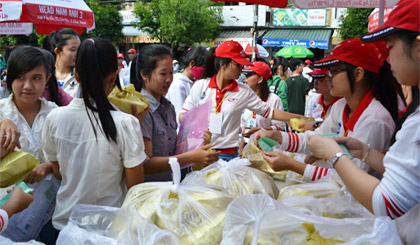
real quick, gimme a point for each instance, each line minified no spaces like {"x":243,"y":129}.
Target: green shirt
{"x":297,"y":86}
{"x":279,"y":87}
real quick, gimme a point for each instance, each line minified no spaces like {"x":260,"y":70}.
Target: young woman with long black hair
{"x":365,"y":112}
{"x":63,"y":45}
{"x":28,"y":73}
{"x":155,"y":74}
{"x":399,"y":189}
{"x":95,"y":150}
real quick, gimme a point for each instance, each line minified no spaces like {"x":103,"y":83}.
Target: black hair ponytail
{"x":383,"y":85}
{"x":97,"y":59}
{"x":52,"y":82}
{"x":212,"y":63}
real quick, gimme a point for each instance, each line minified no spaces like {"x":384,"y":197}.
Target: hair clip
{"x":90,"y":39}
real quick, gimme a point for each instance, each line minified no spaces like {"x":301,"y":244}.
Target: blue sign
{"x":322,"y":44}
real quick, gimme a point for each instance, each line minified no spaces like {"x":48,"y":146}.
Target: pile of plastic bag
{"x":127,"y":97}
{"x":236,"y":177}
{"x":92,"y":224}
{"x":259,"y":219}
{"x":193,"y":211}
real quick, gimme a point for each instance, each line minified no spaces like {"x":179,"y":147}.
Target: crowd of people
{"x":90,"y":152}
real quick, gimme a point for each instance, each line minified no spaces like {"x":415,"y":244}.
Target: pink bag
{"x":193,"y":125}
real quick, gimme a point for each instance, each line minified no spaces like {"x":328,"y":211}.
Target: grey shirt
{"x":159,"y":125}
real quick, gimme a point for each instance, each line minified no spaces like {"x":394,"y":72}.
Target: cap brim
{"x":378,"y":34}
{"x":243,"y":61}
{"x":327,"y":62}
{"x":317,"y":75}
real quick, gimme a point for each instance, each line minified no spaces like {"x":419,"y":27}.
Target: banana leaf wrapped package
{"x":128,"y":96}
{"x":259,"y":219}
{"x":237,"y":178}
{"x":255,"y":156}
{"x":194,"y":212}
{"x":15,"y":166}
{"x":296,"y":122}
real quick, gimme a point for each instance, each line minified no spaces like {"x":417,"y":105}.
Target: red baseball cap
{"x":404,"y":16}
{"x":318,"y":73}
{"x":383,"y":49}
{"x":232,"y":50}
{"x":120,"y":55}
{"x":308,"y":62}
{"x":354,"y":52}
{"x":131,"y":50}
{"x":261,"y":68}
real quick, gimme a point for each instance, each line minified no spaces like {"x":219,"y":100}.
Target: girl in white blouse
{"x":28,"y":73}
{"x":96,"y":151}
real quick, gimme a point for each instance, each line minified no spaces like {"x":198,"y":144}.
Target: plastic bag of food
{"x":93,"y":224}
{"x":259,"y":219}
{"x":15,"y":166}
{"x":128,"y":96}
{"x":255,"y":156}
{"x":194,"y":211}
{"x":333,"y":207}
{"x":237,"y":178}
{"x":296,"y":122}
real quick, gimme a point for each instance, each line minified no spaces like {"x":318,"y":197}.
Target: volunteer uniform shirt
{"x":399,"y":189}
{"x":251,"y":119}
{"x":92,"y":167}
{"x":4,"y":218}
{"x":370,"y":123}
{"x":317,"y":109}
{"x":178,"y":92}
{"x":230,"y":103}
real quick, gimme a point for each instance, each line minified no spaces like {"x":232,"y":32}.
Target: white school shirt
{"x":30,"y":137}
{"x":91,"y":167}
{"x":178,"y":92}
{"x":374,"y":126}
{"x":249,"y":117}
{"x":71,"y":86}
{"x":399,"y":189}
{"x":237,"y":98}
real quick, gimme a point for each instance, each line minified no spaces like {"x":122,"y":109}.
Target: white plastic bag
{"x":93,"y":224}
{"x":7,"y":241}
{"x":237,"y":178}
{"x":194,"y":212}
{"x":259,"y":219}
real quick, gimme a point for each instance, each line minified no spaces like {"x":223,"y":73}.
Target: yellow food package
{"x":192,"y":211}
{"x":296,"y":122}
{"x":15,"y":166}
{"x":128,"y":96}
{"x":255,"y":156}
{"x":237,"y":178}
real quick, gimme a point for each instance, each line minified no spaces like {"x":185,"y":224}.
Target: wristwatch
{"x":316,"y":125}
{"x":337,"y":156}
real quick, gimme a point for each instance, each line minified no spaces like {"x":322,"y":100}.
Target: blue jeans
{"x":228,"y":157}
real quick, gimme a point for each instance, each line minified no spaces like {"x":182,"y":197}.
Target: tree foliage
{"x":180,"y":21}
{"x":108,"y":21}
{"x":354,"y":23}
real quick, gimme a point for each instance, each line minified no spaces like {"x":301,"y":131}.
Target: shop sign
{"x":299,"y":17}
{"x":140,"y":39}
{"x":322,"y":44}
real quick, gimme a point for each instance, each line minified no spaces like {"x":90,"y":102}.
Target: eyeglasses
{"x":331,"y":73}
{"x":238,"y":65}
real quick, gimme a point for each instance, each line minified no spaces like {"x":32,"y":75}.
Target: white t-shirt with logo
{"x":232,"y":106}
